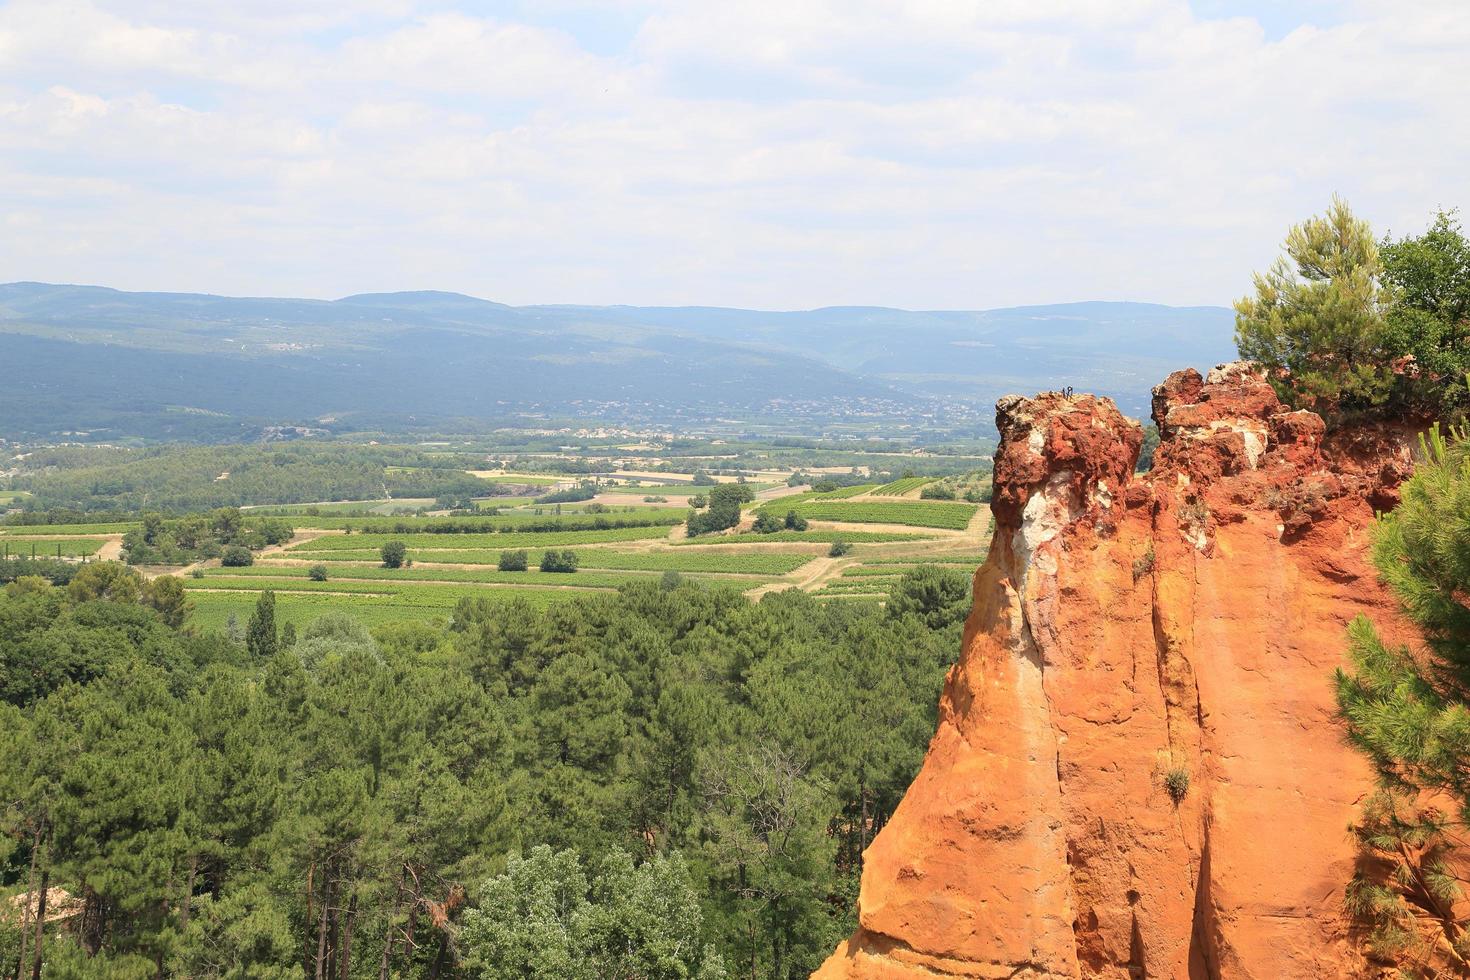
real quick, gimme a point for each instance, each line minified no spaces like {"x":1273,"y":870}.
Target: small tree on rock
{"x":1317,"y":320}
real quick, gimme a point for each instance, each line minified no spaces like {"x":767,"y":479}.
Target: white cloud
{"x":777,"y":154}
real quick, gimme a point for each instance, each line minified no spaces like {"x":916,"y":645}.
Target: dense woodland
{"x":182,"y":479}
{"x":664,"y":782}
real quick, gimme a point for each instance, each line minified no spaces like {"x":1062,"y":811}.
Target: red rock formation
{"x":1124,"y":628}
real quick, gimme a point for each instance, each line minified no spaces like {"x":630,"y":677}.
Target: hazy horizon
{"x":1038,"y":304}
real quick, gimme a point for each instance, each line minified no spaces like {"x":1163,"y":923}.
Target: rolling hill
{"x":193,"y":366}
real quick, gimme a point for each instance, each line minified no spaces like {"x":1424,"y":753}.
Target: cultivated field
{"x":68,"y":530}
{"x":936,"y":514}
{"x":49,"y":547}
{"x":903,"y":487}
{"x":334,"y":563}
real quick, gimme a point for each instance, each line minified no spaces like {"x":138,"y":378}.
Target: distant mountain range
{"x":182,"y":365}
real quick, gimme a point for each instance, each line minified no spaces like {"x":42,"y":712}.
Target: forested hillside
{"x":661,"y":782}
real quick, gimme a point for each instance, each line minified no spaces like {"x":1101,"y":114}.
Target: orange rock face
{"x":1138,"y":771}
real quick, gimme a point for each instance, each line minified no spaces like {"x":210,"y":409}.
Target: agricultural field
{"x":410,"y":587}
{"x":935,"y":559}
{"x":842,"y":493}
{"x":485,"y":503}
{"x":747,"y":565}
{"x":214,"y":610}
{"x":447,"y":567}
{"x":817,"y":535}
{"x":450,"y":557}
{"x":879,"y":571}
{"x":456,"y":527}
{"x":69,"y":547}
{"x":379,"y":507}
{"x":477,"y":542}
{"x":518,"y":479}
{"x":650,"y":489}
{"x":899,"y":488}
{"x":845,"y":492}
{"x":30,"y":530}
{"x":944,"y":515}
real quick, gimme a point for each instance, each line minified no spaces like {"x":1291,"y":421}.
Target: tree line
{"x":183,"y":479}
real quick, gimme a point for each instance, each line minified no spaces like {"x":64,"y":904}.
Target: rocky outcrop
{"x":1137,"y":770}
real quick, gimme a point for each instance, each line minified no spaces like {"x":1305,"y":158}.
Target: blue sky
{"x":772,"y":153}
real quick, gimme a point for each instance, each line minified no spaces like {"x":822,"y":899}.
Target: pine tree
{"x":1317,"y":319}
{"x":1430,"y":319}
{"x":261,"y":638}
{"x":1408,"y":712}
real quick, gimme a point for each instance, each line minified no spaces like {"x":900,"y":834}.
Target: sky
{"x":774,"y":154}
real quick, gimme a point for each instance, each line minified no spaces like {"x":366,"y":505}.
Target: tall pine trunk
{"x":392,"y":937}
{"x":442,"y":955}
{"x":334,"y":946}
{"x":306,"y":941}
{"x":40,"y":922}
{"x":321,"y":931}
{"x":347,"y":937}
{"x":25,"y":922}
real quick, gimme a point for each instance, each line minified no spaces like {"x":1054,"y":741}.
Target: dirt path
{"x":979,"y":527}
{"x":819,"y":571}
{"x":809,"y":577}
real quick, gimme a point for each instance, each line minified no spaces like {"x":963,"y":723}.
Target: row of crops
{"x":943,"y":515}
{"x":900,"y":487}
{"x":713,"y":561}
{"x":18,"y":547}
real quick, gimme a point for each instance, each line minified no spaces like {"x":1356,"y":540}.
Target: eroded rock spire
{"x":1138,"y":770}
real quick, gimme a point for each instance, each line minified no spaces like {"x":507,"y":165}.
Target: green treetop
{"x":261,"y":639}
{"x":1431,"y":318}
{"x":1319,"y":314}
{"x":1344,"y":323}
{"x":544,"y":920}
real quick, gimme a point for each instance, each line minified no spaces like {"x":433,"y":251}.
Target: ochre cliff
{"x":1124,"y":628}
